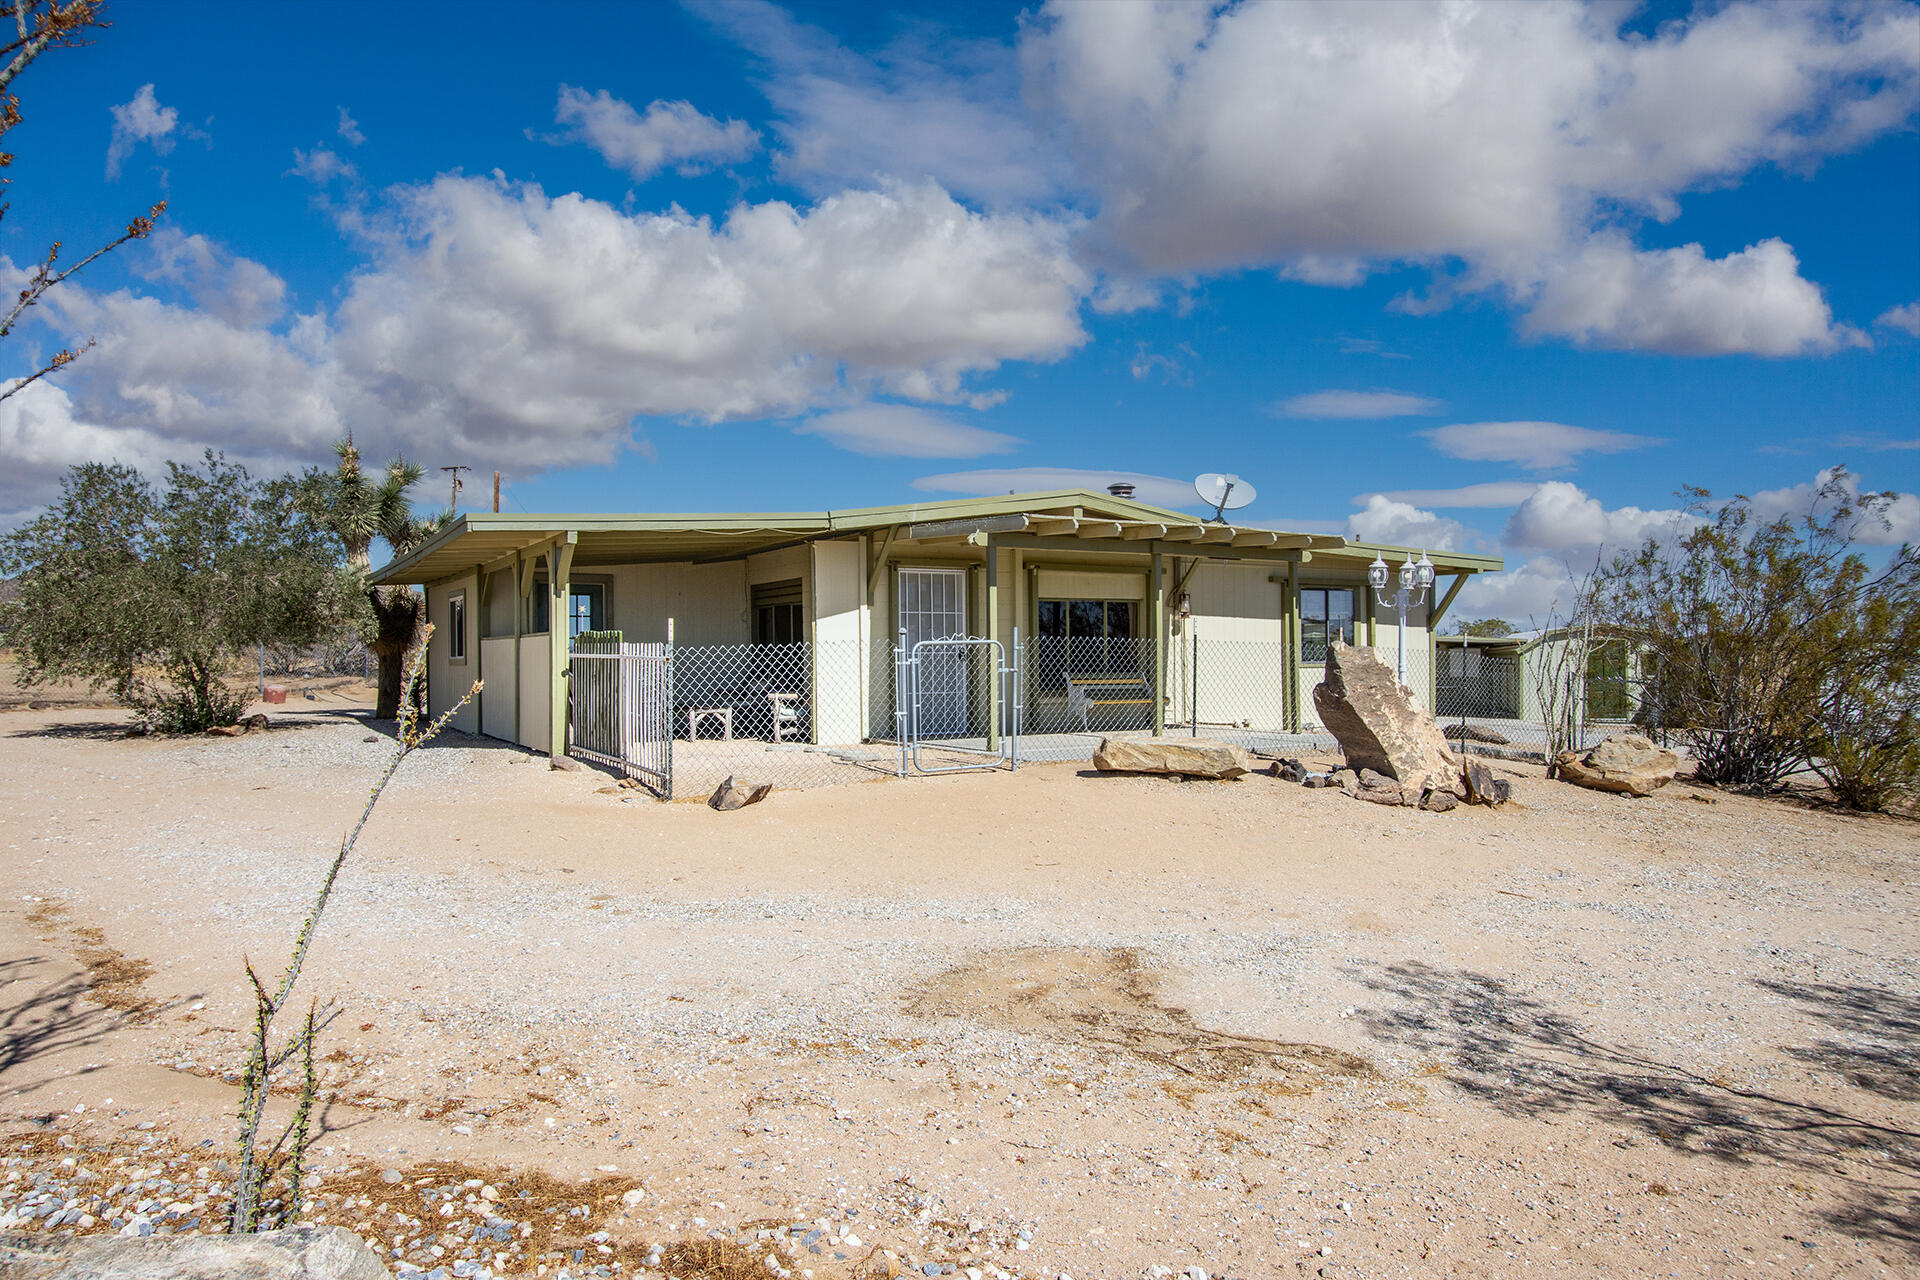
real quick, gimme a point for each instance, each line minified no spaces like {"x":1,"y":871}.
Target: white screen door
{"x":933,"y":606}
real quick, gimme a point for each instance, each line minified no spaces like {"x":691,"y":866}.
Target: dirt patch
{"x":1108,"y":1000}
{"x":113,"y":979}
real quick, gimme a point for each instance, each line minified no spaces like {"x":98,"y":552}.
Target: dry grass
{"x":114,"y":980}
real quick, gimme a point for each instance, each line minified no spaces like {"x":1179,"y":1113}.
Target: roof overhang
{"x":1062,"y":520}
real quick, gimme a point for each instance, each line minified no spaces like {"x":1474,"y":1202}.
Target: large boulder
{"x":1626,"y":762}
{"x":1188,"y":757}
{"x":1378,"y":724}
{"x":298,"y":1253}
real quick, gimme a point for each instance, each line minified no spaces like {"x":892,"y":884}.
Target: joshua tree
{"x":359,"y":509}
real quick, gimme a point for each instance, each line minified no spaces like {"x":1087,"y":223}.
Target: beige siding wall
{"x":536,"y":691}
{"x":836,"y":605}
{"x":1228,"y":662}
{"x":707,"y":602}
{"x":496,"y":701}
{"x":448,"y":678}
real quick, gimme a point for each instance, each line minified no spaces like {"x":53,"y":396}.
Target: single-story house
{"x":784,"y":626}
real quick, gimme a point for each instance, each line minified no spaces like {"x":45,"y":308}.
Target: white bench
{"x":1084,"y":693}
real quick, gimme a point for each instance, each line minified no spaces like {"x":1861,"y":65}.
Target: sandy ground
{"x":1035,"y":1023}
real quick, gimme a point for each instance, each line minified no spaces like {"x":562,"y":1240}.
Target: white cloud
{"x":1904,"y":318}
{"x":1163,"y":491}
{"x":930,"y":105}
{"x":41,"y":437}
{"x":1356,"y":404}
{"x":1383,"y":520}
{"x":670,"y":133}
{"x":140,"y":119}
{"x":1534,"y":593}
{"x":350,"y":130}
{"x":238,"y":290}
{"x":1608,"y":294}
{"x":502,"y":327}
{"x":1323,"y":137}
{"x":1538,"y":446}
{"x":1492,"y":493}
{"x":1899,"y":523}
{"x":1559,"y":516}
{"x":322,"y":165}
{"x":904,"y":431}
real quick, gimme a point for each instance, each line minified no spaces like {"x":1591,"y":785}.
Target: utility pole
{"x":453,"y":497}
{"x":496,"y":493}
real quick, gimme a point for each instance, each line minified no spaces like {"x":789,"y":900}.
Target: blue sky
{"x":1496,"y":278}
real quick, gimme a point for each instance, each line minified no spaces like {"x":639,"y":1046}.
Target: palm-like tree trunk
{"x":397,"y":612}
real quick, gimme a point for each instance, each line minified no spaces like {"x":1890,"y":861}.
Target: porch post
{"x":1159,"y":643}
{"x":480,"y":593}
{"x":522,"y":580}
{"x":559,"y":651}
{"x":1291,"y":630}
{"x":993,"y":633}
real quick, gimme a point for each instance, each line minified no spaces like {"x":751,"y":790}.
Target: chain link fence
{"x":795,"y":715}
{"x":810,"y":715}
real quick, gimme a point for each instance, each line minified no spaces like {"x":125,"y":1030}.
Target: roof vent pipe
{"x":1120,"y":489}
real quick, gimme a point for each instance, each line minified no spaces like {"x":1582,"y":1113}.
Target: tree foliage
{"x":1776,"y":647}
{"x":1490,"y":628}
{"x":159,"y":595}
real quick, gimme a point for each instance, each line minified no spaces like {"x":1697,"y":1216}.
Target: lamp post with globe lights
{"x":1416,"y":581}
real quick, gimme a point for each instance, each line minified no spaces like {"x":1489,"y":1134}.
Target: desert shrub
{"x":1775,"y":645}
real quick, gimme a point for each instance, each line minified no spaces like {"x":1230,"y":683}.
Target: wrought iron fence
{"x":620,"y":696}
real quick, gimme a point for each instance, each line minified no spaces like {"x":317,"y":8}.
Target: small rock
{"x":372,"y":737}
{"x":633,"y":1198}
{"x":1439,"y":801}
{"x":225,"y":731}
{"x":255,"y":722}
{"x":565,"y":764}
{"x":731,"y":795}
{"x":389,"y":1176}
{"x":1288,"y":771}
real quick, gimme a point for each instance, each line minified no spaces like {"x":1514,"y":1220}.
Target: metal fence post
{"x":1193,"y":672}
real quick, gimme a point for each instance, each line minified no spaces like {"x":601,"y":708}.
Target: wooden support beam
{"x":939,"y":529}
{"x":1254,"y":538}
{"x":559,"y":650}
{"x":1159,"y":578}
{"x":993,"y":633}
{"x":878,"y":568}
{"x":1208,"y":551}
{"x":1142,"y":532}
{"x":1446,"y":602}
{"x":1052,"y":524}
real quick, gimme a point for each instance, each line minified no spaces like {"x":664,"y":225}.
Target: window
{"x":1326,"y":613}
{"x":778,"y":615}
{"x":457,"y":627}
{"x":1098,"y":636}
{"x":586,"y":607}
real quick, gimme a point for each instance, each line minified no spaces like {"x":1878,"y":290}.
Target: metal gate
{"x":960,"y":696}
{"x":619,"y":699}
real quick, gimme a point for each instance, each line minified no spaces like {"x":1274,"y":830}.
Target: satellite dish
{"x":1223,"y":493}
